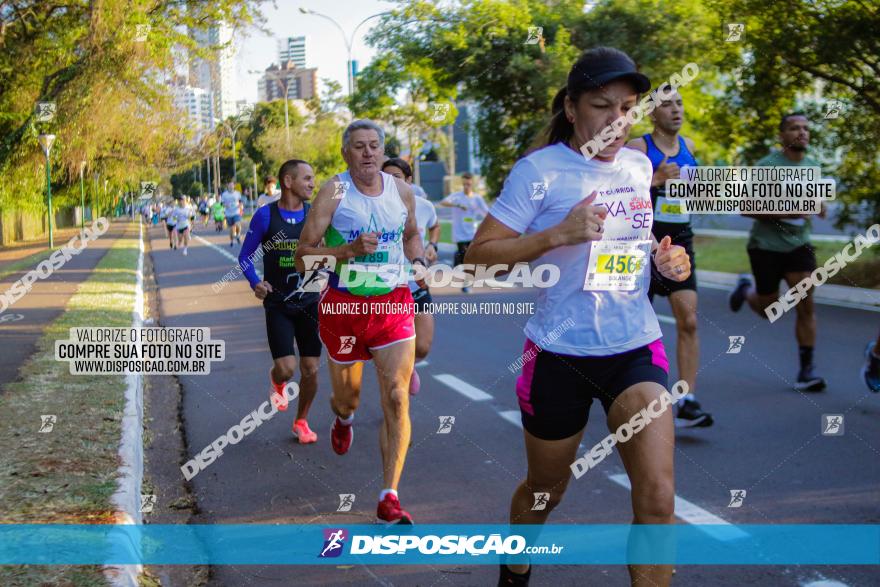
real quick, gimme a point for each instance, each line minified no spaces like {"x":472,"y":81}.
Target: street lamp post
{"x":348,"y":40}
{"x":82,"y":197}
{"x":46,"y":142}
{"x":232,"y":130}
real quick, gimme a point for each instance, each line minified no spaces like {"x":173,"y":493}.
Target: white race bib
{"x":616,"y":265}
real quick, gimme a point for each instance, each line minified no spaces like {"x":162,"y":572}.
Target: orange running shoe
{"x":303,"y":433}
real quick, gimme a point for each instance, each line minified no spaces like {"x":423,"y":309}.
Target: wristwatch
{"x":434,"y":245}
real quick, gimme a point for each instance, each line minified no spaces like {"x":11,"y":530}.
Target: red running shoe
{"x":390,"y":512}
{"x":341,"y":437}
{"x":277,"y":395}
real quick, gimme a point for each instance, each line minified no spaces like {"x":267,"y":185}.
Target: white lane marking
{"x":694,"y":514}
{"x":513,"y":417}
{"x":422,"y":363}
{"x":465,"y":389}
{"x":667,"y":319}
{"x":223,"y":252}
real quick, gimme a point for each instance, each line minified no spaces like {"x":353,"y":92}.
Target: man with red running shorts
{"x":367,"y":220}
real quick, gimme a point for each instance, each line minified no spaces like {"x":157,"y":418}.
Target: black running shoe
{"x":807,"y":380}
{"x":690,"y":415}
{"x":738,"y":296}
{"x":871,"y":369}
{"x":510,"y":579}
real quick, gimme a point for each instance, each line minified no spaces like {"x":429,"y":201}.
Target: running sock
{"x":806,"y":355}
{"x":688,"y":397}
{"x":385,"y":492}
{"x":346,"y":421}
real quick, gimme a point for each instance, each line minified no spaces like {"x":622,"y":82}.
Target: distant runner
{"x":290,"y":315}
{"x":429,"y":231}
{"x":669,"y":152}
{"x":231,"y":199}
{"x":468,"y":210}
{"x":780,"y":249}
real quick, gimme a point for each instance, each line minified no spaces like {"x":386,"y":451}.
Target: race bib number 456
{"x":616,"y":265}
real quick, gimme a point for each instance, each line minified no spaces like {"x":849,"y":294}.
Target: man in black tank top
{"x":291,"y":313}
{"x":669,"y":152}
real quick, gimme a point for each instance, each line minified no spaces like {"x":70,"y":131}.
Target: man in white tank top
{"x":367,"y":220}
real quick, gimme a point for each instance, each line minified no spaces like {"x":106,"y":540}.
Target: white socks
{"x":386,"y":492}
{"x":346,"y":421}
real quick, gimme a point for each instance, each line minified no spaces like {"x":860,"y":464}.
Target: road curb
{"x":834,"y":295}
{"x":127,"y":498}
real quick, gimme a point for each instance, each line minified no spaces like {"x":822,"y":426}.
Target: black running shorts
{"x":286,"y":322}
{"x":769,"y":267}
{"x":555,"y":391}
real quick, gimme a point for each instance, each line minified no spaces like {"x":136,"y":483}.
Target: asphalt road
{"x":766,"y":438}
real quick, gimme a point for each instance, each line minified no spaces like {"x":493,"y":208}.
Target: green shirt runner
{"x":781,"y":236}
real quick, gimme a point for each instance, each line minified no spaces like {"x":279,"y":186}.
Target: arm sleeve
{"x":253,"y":240}
{"x":514,"y":208}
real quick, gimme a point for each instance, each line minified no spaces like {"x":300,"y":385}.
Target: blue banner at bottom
{"x":252,"y":544}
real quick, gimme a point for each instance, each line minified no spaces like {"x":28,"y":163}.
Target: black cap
{"x":602,"y":65}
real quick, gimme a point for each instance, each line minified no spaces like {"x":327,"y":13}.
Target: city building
{"x":293,"y":49}
{"x":216,"y":74}
{"x":301,"y":83}
{"x":196,"y":104}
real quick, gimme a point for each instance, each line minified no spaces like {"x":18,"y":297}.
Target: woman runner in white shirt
{"x":594,"y":334}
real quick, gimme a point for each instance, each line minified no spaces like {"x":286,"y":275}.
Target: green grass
{"x":729,"y":255}
{"x":69,"y":474}
{"x":445,"y":231}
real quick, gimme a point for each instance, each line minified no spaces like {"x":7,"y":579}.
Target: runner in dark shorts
{"x":669,"y":152}
{"x":291,"y":313}
{"x":779,"y":249}
{"x":598,"y":335}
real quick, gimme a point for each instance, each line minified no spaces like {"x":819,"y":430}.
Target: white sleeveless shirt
{"x":380,"y":272}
